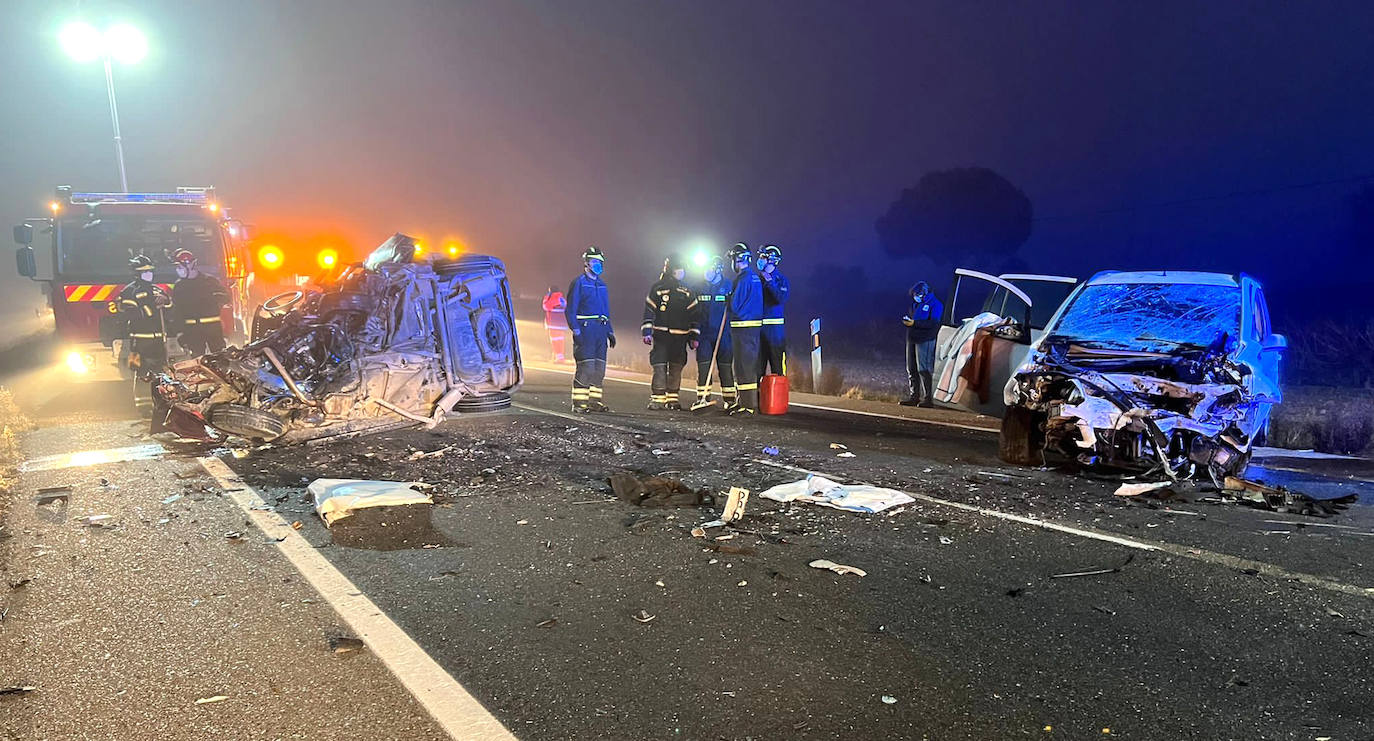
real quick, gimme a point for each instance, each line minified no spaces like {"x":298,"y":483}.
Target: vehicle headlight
{"x":80,"y":362}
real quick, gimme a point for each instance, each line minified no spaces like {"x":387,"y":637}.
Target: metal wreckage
{"x":389,"y":342}
{"x":1171,"y":375}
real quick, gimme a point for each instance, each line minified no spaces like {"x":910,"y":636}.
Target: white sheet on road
{"x":827,"y":493}
{"x":336,"y":499}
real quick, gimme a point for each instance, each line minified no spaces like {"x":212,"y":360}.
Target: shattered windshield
{"x":1149,"y":315}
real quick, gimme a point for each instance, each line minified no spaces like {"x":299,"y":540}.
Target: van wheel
{"x":483,"y":403}
{"x":1021,"y":439}
{"x":246,"y":422}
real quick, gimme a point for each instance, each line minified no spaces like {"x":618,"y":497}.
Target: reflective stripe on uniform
{"x":204,"y":320}
{"x":747,"y":324}
{"x":146,"y":335}
{"x":747,"y":387}
{"x":592,"y":316}
{"x":776,"y":320}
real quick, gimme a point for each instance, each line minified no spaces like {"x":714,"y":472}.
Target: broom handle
{"x":716,"y":351}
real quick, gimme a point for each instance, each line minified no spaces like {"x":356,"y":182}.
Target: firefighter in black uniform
{"x":670,"y":327}
{"x":141,"y":305}
{"x":198,"y":298}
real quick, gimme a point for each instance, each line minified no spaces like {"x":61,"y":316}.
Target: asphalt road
{"x":1221,"y":622}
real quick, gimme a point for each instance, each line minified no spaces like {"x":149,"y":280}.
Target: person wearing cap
{"x":198,"y":297}
{"x":670,"y":328}
{"x":922,"y":330}
{"x":712,"y":296}
{"x":773,"y":351}
{"x":140,"y":305}
{"x":589,"y":319}
{"x":746,"y":326}
{"x":556,"y":321}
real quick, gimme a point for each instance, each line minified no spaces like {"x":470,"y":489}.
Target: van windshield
{"x":1150,"y":316}
{"x":103,"y":246}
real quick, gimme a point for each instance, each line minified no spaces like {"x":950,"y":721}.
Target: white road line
{"x":838,"y":410}
{"x":451,"y":706}
{"x":573,"y":417}
{"x":1189,"y":552}
{"x":1174,"y":549}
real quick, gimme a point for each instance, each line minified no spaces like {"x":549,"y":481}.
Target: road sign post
{"x":815,"y":352}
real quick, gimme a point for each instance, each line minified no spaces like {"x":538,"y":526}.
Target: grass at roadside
{"x":13,"y":423}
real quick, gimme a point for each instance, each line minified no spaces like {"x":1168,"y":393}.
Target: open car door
{"x":989,"y":324}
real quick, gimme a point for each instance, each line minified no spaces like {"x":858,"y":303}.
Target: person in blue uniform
{"x":712,"y":296}
{"x":589,"y":319}
{"x":922,"y":322}
{"x":746,"y":328}
{"x":773,"y":353}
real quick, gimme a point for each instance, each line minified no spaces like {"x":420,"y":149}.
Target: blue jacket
{"x":588,"y":300}
{"x":926,"y":316}
{"x":712,"y":303}
{"x":746,"y":300}
{"x":775,"y":295}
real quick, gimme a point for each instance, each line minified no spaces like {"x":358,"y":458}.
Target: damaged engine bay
{"x":388,"y":342}
{"x":1146,"y":377}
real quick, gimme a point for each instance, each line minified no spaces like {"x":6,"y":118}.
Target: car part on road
{"x":734,"y":505}
{"x":656,"y":491}
{"x":390,"y":338}
{"x":827,"y":493}
{"x":838,"y":568}
{"x":336,"y":499}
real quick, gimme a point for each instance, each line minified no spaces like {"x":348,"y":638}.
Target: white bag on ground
{"x":336,"y":499}
{"x":827,"y":493}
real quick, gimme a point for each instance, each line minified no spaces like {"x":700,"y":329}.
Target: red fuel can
{"x":773,"y":394}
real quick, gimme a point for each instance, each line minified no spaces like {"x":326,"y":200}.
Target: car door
{"x":989,"y":324}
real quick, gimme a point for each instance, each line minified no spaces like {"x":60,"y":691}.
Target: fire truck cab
{"x":81,"y":251}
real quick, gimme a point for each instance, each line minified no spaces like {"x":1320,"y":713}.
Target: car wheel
{"x":1021,"y":437}
{"x":493,"y":335}
{"x":246,"y":422}
{"x":483,"y":403}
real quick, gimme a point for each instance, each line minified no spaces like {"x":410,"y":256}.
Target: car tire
{"x":484,"y":403}
{"x":494,"y":335}
{"x":246,"y":422}
{"x":1021,"y":438}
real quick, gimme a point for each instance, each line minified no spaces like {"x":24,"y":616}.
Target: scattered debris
{"x":336,"y":499}
{"x":50,"y":494}
{"x":838,"y":568}
{"x":735,"y":504}
{"x":546,"y":623}
{"x":17,"y":690}
{"x":742,"y":584}
{"x":643,"y":616}
{"x":1135,"y":490}
{"x":771,"y":450}
{"x":172,"y":498}
{"x":1016,"y":591}
{"x":1095,"y":572}
{"x":345,"y":644}
{"x":846,"y":454}
{"x":208,"y":700}
{"x":95,"y":520}
{"x":234,"y":537}
{"x":853,"y":498}
{"x":1104,"y":610}
{"x":657,"y":451}
{"x":522,"y":522}
{"x":421,"y":455}
{"x":945,"y":540}
{"x":21,"y":583}
{"x":837,"y":446}
{"x":1283,"y":499}
{"x":656,"y":491}
{"x":698,"y":532}
{"x":889,"y":700}
{"x":297,"y":525}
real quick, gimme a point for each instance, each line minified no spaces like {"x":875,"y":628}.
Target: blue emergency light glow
{"x":197,"y":198}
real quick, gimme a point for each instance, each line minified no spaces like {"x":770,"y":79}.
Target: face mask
{"x":183,"y":271}
{"x":680,"y":274}
{"x":762,"y":263}
{"x":596,"y":267}
{"x":712,"y":275}
{"x":146,"y":276}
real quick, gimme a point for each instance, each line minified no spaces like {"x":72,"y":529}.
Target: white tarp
{"x":827,"y":493}
{"x":955,"y":354}
{"x":336,"y":499}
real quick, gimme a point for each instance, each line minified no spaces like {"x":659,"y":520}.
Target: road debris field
{"x":557,"y":598}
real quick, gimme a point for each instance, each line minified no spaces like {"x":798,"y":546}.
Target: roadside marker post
{"x":815,"y":350}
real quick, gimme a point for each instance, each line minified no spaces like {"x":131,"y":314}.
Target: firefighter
{"x":555,"y":321}
{"x":141,"y":305}
{"x":670,"y":328}
{"x":198,"y":297}
{"x":773,"y":353}
{"x":589,"y":318}
{"x":711,"y":298}
{"x":746,"y":326}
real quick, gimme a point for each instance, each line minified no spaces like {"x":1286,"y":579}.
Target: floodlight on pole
{"x":122,"y":43}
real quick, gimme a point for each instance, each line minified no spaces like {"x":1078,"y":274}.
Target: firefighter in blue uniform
{"x":773,"y":354}
{"x":140,"y":307}
{"x":711,"y":303}
{"x":746,"y":328}
{"x":589,"y":319}
{"x":670,"y":328}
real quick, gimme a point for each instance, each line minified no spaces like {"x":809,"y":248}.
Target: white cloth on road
{"x":336,"y":499}
{"x":827,"y":493}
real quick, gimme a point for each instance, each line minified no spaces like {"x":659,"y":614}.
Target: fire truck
{"x":80,"y":253}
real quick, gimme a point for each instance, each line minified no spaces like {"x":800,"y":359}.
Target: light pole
{"x":120,"y":42}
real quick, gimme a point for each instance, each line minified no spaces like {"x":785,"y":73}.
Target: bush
{"x":831,"y":382}
{"x":1331,"y":353}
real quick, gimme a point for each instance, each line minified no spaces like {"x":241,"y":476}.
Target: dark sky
{"x":531,"y":129}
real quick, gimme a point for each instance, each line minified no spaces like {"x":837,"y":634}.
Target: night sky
{"x":1211,"y":135}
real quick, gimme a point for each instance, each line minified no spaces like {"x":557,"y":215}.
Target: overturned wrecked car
{"x":385,"y":343}
{"x":1171,"y":373}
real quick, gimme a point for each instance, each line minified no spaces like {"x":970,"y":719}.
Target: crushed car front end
{"x":1147,"y":372}
{"x":388,"y":342}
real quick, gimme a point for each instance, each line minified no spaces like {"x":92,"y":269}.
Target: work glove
{"x":610,"y":340}
{"x":648,"y":340}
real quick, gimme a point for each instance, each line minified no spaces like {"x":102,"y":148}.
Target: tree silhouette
{"x":968,"y":215}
